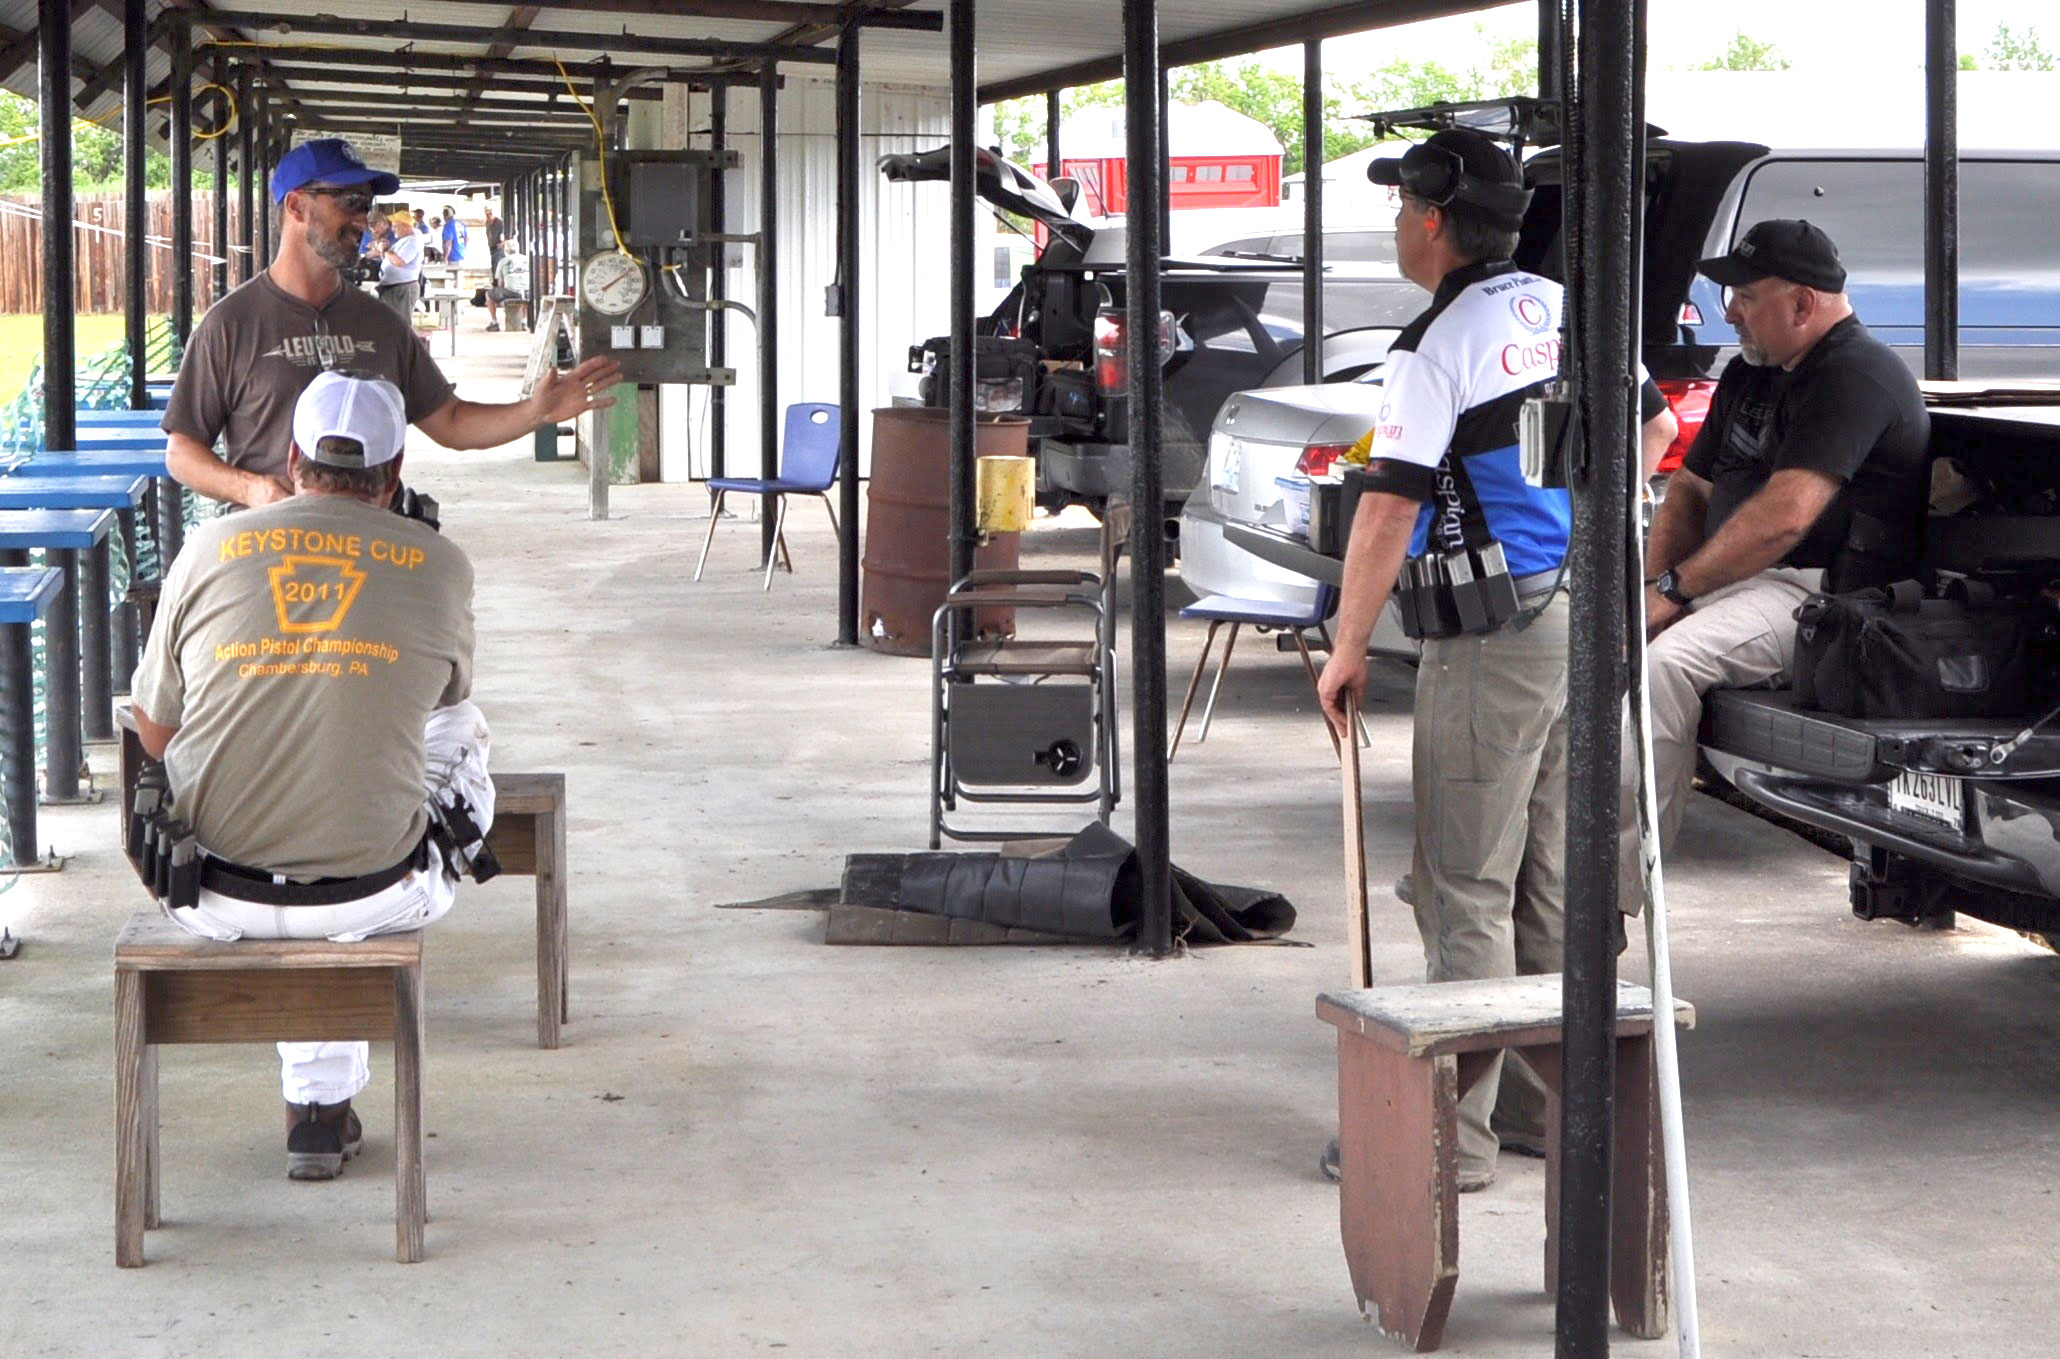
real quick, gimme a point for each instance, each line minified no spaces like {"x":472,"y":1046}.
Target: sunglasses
{"x":353,"y":201}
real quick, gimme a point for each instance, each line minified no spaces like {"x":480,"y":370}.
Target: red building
{"x":1218,"y":159}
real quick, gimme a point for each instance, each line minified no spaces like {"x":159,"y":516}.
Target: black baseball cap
{"x":1779,"y":248}
{"x":1459,"y":169}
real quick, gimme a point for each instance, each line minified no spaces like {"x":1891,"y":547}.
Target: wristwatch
{"x":1668,"y":587}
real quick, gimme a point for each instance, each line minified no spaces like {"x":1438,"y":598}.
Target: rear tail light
{"x":1316,"y":459}
{"x":1111,"y":356}
{"x":1691,"y":315}
{"x":1690,"y":400}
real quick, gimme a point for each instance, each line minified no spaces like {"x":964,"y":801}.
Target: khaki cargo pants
{"x":1489,"y":777}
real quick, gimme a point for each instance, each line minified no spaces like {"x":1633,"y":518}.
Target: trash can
{"x":908,"y":526}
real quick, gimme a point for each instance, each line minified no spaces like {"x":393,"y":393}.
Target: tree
{"x":1274,"y":97}
{"x":97,"y":161}
{"x":2010,"y":50}
{"x":1746,"y":54}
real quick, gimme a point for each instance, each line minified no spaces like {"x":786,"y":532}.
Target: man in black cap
{"x":1808,"y":474}
{"x":1445,"y":500}
{"x":257,"y":349}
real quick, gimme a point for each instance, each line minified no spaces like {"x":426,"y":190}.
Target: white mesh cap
{"x":367,"y":410}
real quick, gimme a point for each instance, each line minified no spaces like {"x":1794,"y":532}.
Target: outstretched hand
{"x":561,"y":396}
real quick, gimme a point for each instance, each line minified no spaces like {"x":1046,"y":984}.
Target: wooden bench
{"x":1406,"y":1054}
{"x":528,"y":837}
{"x":175,"y":987}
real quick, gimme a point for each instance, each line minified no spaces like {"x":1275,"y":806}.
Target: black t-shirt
{"x":1849,"y":410}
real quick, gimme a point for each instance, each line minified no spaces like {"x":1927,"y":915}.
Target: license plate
{"x":1230,"y":467}
{"x":1935,"y":797}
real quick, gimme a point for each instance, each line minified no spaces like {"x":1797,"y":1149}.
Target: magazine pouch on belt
{"x":1893,"y":653}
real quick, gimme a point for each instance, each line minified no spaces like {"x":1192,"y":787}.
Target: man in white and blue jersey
{"x":1479,"y":552}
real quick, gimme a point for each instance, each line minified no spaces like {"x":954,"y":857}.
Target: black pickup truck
{"x":1054,"y":349}
{"x":1939,"y":816}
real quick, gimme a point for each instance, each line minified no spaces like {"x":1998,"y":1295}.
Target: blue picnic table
{"x":106,"y":491}
{"x":26,"y":593}
{"x":59,"y":462}
{"x":168,"y":514}
{"x":106,"y":662}
{"x":119,"y":437}
{"x":122,"y":419}
{"x":66,"y":534}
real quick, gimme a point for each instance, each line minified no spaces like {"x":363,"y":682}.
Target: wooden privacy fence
{"x":97,"y":242}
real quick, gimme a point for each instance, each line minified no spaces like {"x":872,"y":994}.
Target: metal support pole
{"x":601,"y":450}
{"x":847,"y":334}
{"x":61,"y":745}
{"x":180,"y":133}
{"x":18,"y":731}
{"x":53,"y":80}
{"x":1550,"y":50}
{"x":248,"y":266}
{"x":964,"y":74}
{"x":1053,"y":166}
{"x":125,"y":641}
{"x":1143,"y":83}
{"x":768,"y":298}
{"x":1941,"y":191}
{"x":719,"y":282}
{"x":1163,"y":198}
{"x":220,"y":273}
{"x":261,"y":175}
{"x":1606,"y":397}
{"x":96,"y":645}
{"x":135,"y":201}
{"x":1312,"y":210}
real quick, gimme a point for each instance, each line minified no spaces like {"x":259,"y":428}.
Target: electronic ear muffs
{"x":1437,"y":175}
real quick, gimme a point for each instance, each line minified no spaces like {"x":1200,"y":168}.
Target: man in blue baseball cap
{"x":257,"y":349}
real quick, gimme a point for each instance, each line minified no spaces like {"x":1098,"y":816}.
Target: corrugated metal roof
{"x":1018,"y":43}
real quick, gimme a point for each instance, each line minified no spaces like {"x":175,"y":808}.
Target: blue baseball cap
{"x":327,"y":160}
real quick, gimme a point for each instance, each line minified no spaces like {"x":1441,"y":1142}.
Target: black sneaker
{"x":1328,"y":1162}
{"x":321,"y":1139}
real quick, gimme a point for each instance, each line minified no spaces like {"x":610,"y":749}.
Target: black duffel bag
{"x":1893,"y":653}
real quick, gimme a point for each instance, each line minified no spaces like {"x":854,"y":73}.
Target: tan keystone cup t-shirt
{"x":298,"y":650}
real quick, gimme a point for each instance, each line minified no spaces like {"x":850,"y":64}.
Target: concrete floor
{"x":752,"y":1143}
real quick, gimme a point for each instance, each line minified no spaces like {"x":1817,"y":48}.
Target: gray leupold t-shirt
{"x":298,"y":650}
{"x":258,"y":348}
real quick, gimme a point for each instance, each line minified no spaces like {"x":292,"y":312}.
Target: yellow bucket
{"x":1007,"y":492}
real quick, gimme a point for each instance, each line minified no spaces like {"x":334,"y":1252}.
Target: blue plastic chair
{"x":1266,"y":615}
{"x":808,"y":466}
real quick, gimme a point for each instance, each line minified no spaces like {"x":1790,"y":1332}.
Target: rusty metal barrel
{"x":908,"y":526}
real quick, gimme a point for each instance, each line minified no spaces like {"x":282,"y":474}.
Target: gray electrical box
{"x":644,"y":303}
{"x":665,"y":200}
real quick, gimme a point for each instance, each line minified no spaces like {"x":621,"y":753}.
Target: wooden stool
{"x":1406,"y":1054}
{"x":175,"y":987}
{"x":528,"y":837}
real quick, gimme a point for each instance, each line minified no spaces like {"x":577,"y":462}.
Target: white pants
{"x":1736,"y":637}
{"x":329,"y":1073}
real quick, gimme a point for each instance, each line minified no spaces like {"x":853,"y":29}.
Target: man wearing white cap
{"x":306,"y":686}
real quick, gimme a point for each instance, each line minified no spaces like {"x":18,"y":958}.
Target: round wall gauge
{"x":612,"y":283}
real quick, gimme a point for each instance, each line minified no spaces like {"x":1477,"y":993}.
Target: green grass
{"x":21,"y":341}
